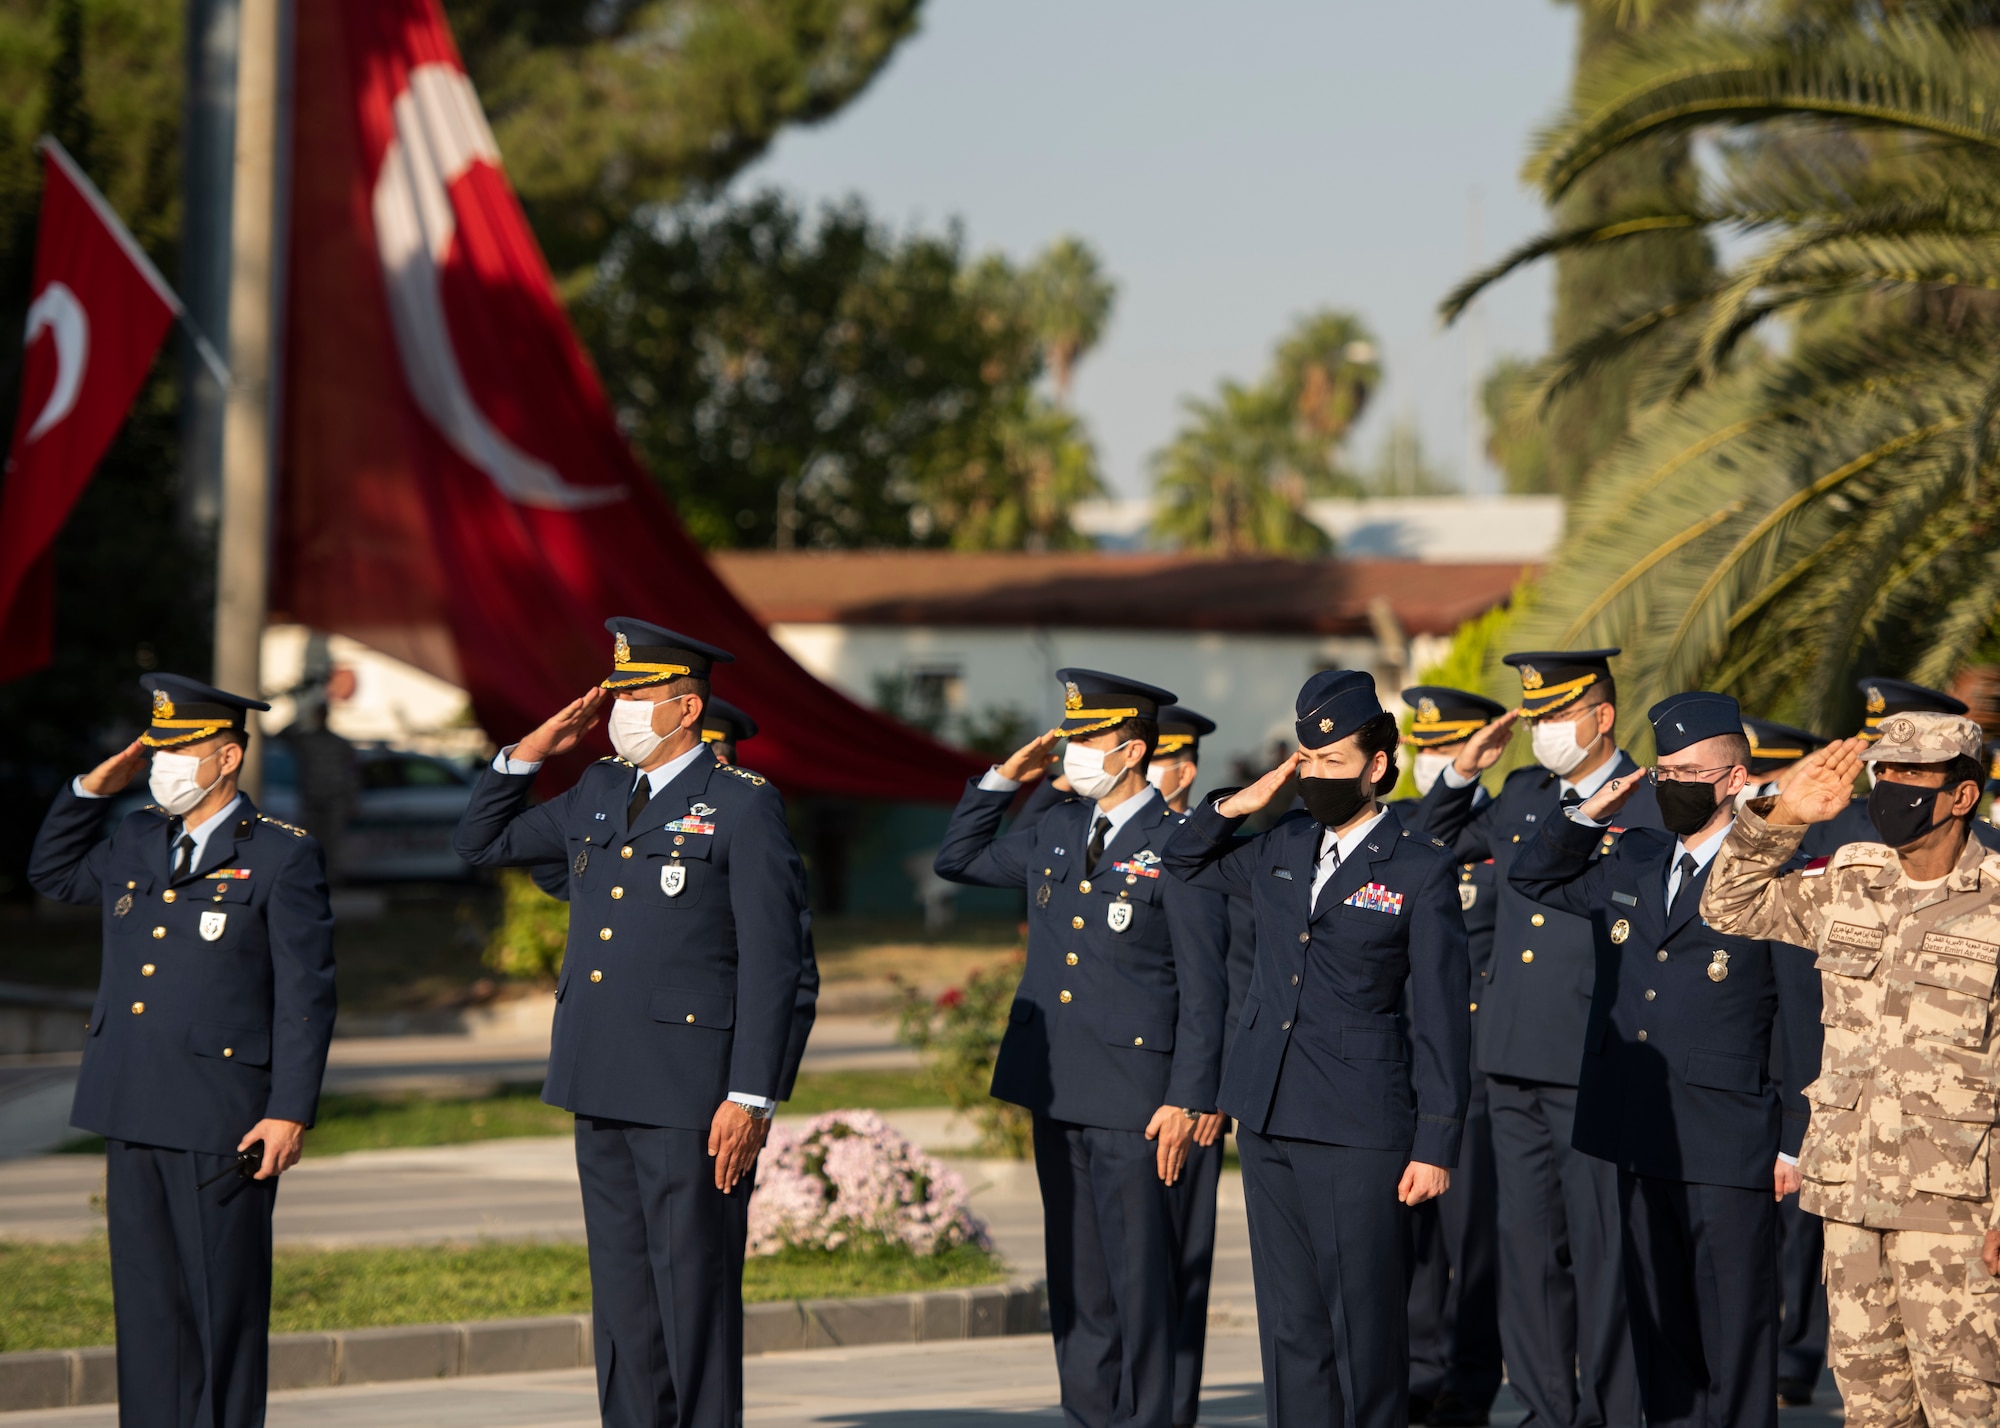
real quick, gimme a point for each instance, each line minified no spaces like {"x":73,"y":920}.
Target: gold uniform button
{"x":169,"y":895}
{"x":624,"y":852}
{"x":1536,"y":920}
{"x":679,"y":839}
{"x":1295,"y":979}
{"x":1475,"y":1006}
{"x":1650,"y":994}
{"x":1077,"y":923}
{"x":147,"y":970}
{"x":1517,"y":837}
{"x":1047,"y":871}
{"x":1131,"y":878}
{"x":596,"y":976}
{"x":228,"y":1051}
{"x":1070,"y":958}
{"x":1138,"y":1041}
{"x":1286,"y":1027}
{"x":1305,"y":937}
{"x":603,"y":934}
{"x":131,"y":885}
{"x":138,"y":1009}
{"x":1065,"y":996}
{"x":158,"y":933}
{"x":1528,"y":956}
{"x":690,"y":1018}
{"x":1642,"y":1036}
{"x":1083,"y":886}
{"x":1661,"y":954}
{"x":617,"y":893}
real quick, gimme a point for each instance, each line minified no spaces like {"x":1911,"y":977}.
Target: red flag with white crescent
{"x":454,"y":486}
{"x":97,"y":314}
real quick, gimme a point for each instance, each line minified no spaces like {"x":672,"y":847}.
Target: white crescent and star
{"x":441,"y":132}
{"x":57,"y":312}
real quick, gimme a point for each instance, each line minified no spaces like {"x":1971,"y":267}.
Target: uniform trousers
{"x":1108,"y":1232}
{"x":1701,"y":1276}
{"x":1193,"y":1209}
{"x":1329,"y":1251}
{"x":666,"y":1275}
{"x":1802,"y":1332}
{"x":1563,"y":1327}
{"x":190,"y":1287}
{"x":1911,"y":1328}
{"x":1454,"y":1287}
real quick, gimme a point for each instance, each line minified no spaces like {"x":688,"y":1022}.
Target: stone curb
{"x":68,"y":1378}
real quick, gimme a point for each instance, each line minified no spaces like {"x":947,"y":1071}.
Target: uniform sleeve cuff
{"x":753,"y":1103}
{"x":76,"y":787}
{"x":1454,"y":779}
{"x":504,"y":762}
{"x":993,"y":781}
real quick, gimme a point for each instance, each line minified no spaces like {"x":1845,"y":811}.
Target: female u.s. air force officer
{"x":1349,"y":1110}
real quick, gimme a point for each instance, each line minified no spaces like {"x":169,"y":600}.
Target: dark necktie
{"x":1571,"y":799}
{"x":641,"y":796}
{"x":1097,"y":832}
{"x":1687,"y":866}
{"x":183,"y":856}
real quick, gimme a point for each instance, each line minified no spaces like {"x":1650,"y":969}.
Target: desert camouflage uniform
{"x":1898,"y":1159}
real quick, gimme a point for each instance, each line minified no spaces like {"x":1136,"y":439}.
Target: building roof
{"x":1254,"y":594}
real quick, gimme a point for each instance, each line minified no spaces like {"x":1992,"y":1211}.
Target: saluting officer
{"x":1562,"y":1292}
{"x":1115,"y":1037}
{"x":1348,"y":1110}
{"x":209,"y":1037}
{"x":1454,"y":1285}
{"x":1882,"y":699}
{"x":1676,"y":1090}
{"x":673,"y":1012}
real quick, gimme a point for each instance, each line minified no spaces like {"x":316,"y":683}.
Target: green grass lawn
{"x":59,"y":1295}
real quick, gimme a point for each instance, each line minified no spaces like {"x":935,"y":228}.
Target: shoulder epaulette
{"x":280,"y":823}
{"x":1849,"y":855}
{"x":754,"y":780}
{"x":155,"y":808}
{"x":615,"y":759}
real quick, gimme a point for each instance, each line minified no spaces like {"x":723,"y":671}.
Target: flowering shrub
{"x":846,"y":1179}
{"x":958,"y":1035}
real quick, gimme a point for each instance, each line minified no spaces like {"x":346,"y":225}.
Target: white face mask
{"x":174,"y":781}
{"x":1556,"y":748}
{"x":631,"y":726}
{"x":1156,"y":775}
{"x":1428,"y":768}
{"x":1084,"y":768}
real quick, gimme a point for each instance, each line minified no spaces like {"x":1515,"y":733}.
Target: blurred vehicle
{"x":407,"y":805}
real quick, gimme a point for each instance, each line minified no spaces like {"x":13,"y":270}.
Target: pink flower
{"x":847,"y":1177}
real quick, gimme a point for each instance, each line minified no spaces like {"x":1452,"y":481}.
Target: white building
{"x":1437,"y":529}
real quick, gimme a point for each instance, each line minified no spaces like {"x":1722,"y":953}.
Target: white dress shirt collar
{"x":1703,"y":854}
{"x":1325,"y":865}
{"x":667,"y":772}
{"x":206,"y":830}
{"x":1595,"y":779}
{"x":1124,"y":813}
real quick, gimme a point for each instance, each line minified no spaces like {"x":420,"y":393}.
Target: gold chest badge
{"x":1620,"y":930}
{"x":1719,"y":968}
{"x":122,"y":906}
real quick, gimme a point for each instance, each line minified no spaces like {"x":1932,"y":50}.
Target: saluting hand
{"x":1246,"y":801}
{"x":1821,"y":784}
{"x":1612,"y":797}
{"x":1487,"y":744}
{"x":1173,"y":1130}
{"x":561,"y":731}
{"x":116,"y":772}
{"x":1027,"y":762}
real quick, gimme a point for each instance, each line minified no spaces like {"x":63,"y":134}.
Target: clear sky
{"x":1234,"y":165}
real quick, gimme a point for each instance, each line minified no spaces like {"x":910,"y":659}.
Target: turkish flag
{"x":454,"y":486}
{"x":97,"y":318}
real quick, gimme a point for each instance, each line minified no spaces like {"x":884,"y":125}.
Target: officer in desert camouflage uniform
{"x":1907,"y":932}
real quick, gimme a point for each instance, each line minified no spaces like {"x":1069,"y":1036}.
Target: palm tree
{"x":1782,"y":513}
{"x":1068,"y":302}
{"x":1233,"y":483}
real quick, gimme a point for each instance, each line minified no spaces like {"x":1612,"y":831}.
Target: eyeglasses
{"x":1660,"y":775}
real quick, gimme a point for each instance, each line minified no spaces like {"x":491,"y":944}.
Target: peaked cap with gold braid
{"x":723,"y":723}
{"x":1447,"y":716}
{"x":1556,"y":679}
{"x":1775,"y":746}
{"x":1181,"y":732}
{"x":643,"y":654}
{"x":186,"y":711}
{"x":1094,"y":701}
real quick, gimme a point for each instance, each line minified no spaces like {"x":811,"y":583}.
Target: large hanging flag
{"x":454,"y":488}
{"x":97,"y":314}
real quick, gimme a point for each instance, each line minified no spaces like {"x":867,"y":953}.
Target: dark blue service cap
{"x":1333,"y":704}
{"x":186,"y":711}
{"x":723,"y":723}
{"x":643,"y":654}
{"x":1446,"y":715}
{"x":1553,"y":679}
{"x":1774,"y":746}
{"x":1883,"y":697}
{"x":1094,"y":701}
{"x":1683,"y":719}
{"x":1182,"y":730}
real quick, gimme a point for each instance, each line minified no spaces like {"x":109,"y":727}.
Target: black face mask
{"x":1334,"y":800}
{"x":1901,"y":812}
{"x":1684,"y":807}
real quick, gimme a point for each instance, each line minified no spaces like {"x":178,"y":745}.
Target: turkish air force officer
{"x":1883,"y":698}
{"x":1676,"y":1090}
{"x":1114,"y":1042}
{"x":1454,"y":1285}
{"x":1562,"y":1292}
{"x":209,"y":1036}
{"x":673,"y":1012}
{"x":1348,"y":1108}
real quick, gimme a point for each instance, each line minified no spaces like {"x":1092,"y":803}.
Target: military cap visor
{"x":1334,"y":704}
{"x":1774,"y":746}
{"x":644,"y":654}
{"x":1556,"y":679}
{"x":1446,"y":715}
{"x":723,"y":723}
{"x":1926,"y":736}
{"x":1181,"y":731}
{"x":1881,"y":698}
{"x":186,"y":711}
{"x":1682,"y":720}
{"x":1094,"y":701}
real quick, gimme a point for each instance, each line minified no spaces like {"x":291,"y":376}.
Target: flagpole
{"x":243,"y":544}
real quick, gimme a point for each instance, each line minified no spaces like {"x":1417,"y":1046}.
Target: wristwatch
{"x":1191,"y":1113}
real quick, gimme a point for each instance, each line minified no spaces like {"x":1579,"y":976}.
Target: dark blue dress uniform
{"x":213,"y":1012}
{"x":1334,"y":1088}
{"x":1454,"y":1286}
{"x":1562,"y":1295}
{"x":1676,"y":1093}
{"x":1883,"y":698}
{"x":1119,"y":1013}
{"x":678,"y":988}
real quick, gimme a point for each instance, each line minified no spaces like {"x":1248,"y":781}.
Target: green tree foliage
{"x":528,"y":943}
{"x":1067,"y":300}
{"x":1788,"y":514}
{"x":1237,"y":477}
{"x":1517,"y":440}
{"x":603,"y":110}
{"x":958,"y":1035}
{"x":796,"y":382}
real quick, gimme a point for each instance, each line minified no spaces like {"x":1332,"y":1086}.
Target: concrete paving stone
{"x":36,"y":1380}
{"x":301,"y":1360}
{"x":396,"y":1354}
{"x":525,"y":1345}
{"x":773,"y":1328}
{"x":96,"y":1378}
{"x":833,"y":1323}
